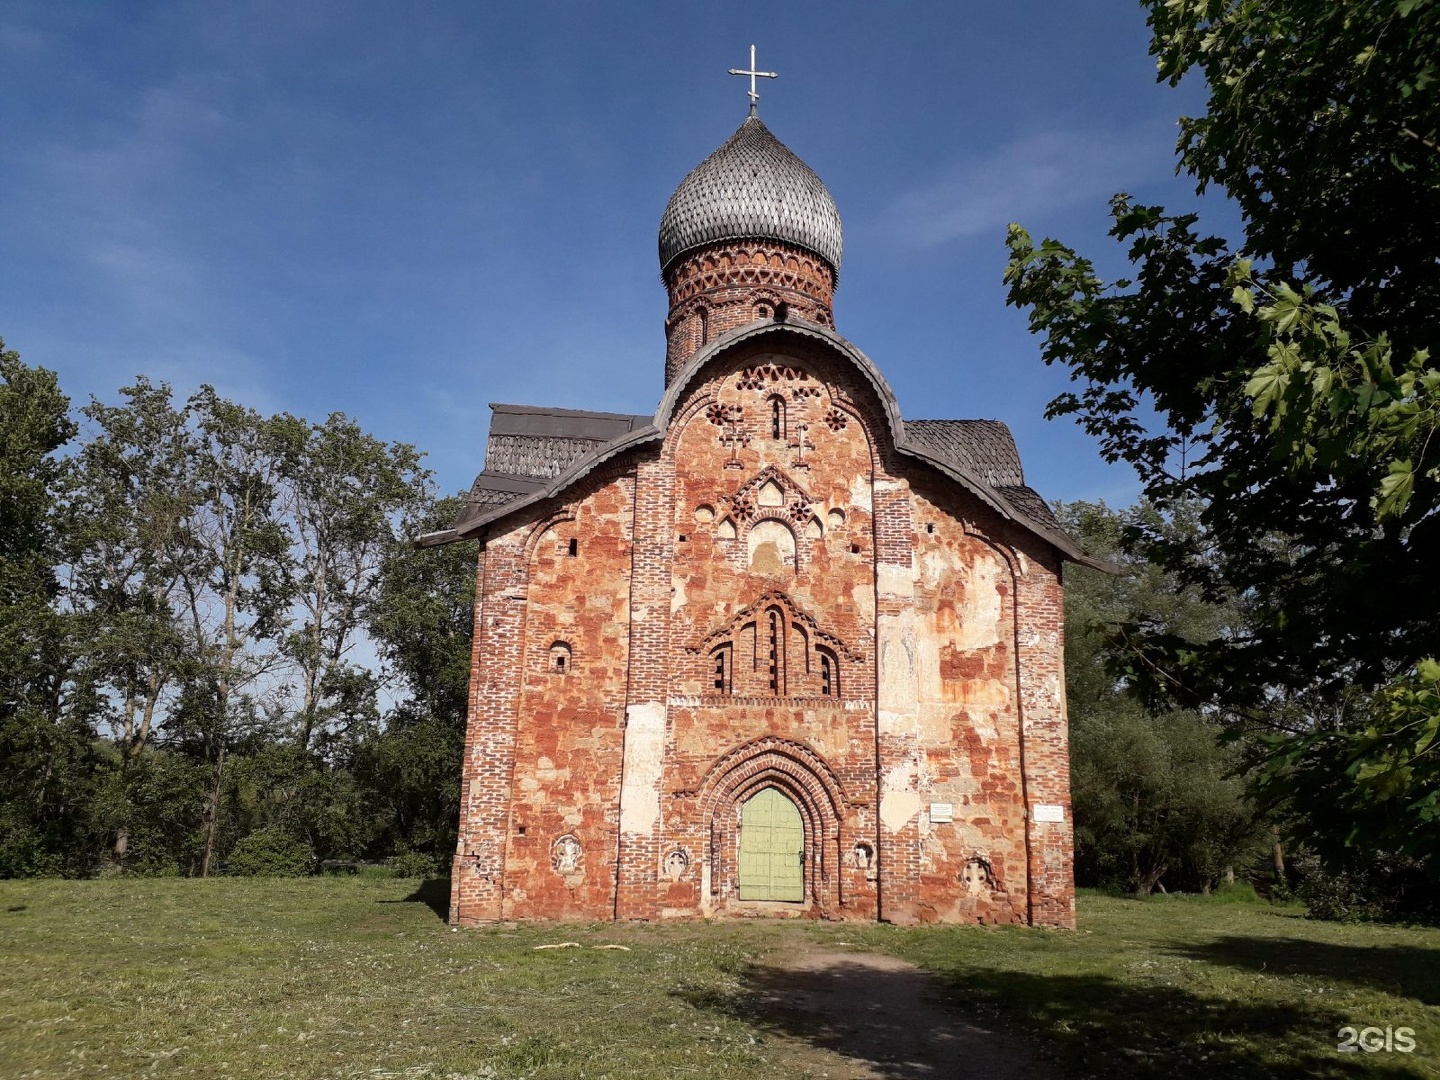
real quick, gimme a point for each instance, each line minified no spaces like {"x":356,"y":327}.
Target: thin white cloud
{"x":1028,"y":178}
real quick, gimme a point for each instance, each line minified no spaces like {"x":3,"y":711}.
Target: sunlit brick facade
{"x":772,"y":585}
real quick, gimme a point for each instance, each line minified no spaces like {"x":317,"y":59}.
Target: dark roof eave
{"x":1002,"y":506}
{"x":436,"y":539}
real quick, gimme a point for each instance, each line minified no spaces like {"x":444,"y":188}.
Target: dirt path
{"x":863,"y":1016}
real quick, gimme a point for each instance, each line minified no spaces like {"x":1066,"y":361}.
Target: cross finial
{"x":754,"y":97}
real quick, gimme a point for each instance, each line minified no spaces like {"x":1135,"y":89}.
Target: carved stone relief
{"x":565,"y":855}
{"x":977,"y":877}
{"x":676,"y":863}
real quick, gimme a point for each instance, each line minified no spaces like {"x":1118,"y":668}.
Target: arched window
{"x":560,"y":658}
{"x":829,"y":673}
{"x":722,"y":676}
{"x":774,"y":646}
{"x":777,"y":417}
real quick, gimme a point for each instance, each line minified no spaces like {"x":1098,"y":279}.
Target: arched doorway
{"x":772,"y":848}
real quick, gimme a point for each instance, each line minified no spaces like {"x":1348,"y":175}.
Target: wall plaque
{"x":1048,"y":812}
{"x":941,"y":812}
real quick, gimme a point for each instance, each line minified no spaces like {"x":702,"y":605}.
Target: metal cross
{"x":754,"y":97}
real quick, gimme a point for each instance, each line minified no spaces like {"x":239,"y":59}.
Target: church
{"x":772,"y":650}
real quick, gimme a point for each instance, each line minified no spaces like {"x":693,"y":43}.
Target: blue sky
{"x":405,"y":212}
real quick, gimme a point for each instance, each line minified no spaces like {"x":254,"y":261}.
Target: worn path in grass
{"x":878,"y":1015}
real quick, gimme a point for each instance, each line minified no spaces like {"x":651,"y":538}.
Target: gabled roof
{"x":535,"y":453}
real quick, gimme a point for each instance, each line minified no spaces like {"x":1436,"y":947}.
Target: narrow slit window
{"x":829,"y":665}
{"x":574,"y":548}
{"x":721,"y":681}
{"x":775,"y":654}
{"x":777,"y":418}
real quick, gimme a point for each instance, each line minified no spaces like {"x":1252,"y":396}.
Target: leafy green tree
{"x":46,"y":756}
{"x":1156,"y":793}
{"x":131,"y":503}
{"x":423,"y":623}
{"x":1285,"y":386}
{"x":343,"y":493}
{"x":236,"y":594}
{"x":273,"y":784}
{"x":271,"y":852}
{"x":423,"y":620}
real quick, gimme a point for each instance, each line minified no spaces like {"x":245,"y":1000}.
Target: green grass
{"x":358,"y":977}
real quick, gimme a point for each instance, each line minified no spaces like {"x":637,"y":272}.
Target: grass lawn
{"x":333,"y":977}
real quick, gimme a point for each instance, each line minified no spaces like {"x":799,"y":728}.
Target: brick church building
{"x":772,"y":650}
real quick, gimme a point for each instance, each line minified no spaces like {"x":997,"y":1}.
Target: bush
{"x":270,"y":852}
{"x":1389,"y":888}
{"x":412,"y":864}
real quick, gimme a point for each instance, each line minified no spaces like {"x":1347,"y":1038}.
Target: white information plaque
{"x":941,"y":812}
{"x":1048,"y":812}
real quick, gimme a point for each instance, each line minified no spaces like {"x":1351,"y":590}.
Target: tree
{"x":423,"y":620}
{"x":1157,"y":795}
{"x":235,"y":587}
{"x":1285,"y":385}
{"x":342,"y":492}
{"x":423,"y":623}
{"x":46,"y":760}
{"x":134,"y":495}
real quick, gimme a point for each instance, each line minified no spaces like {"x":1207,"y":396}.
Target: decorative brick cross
{"x":800,"y":443}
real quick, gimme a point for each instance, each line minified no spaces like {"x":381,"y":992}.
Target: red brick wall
{"x":542,"y":764}
{"x":969,"y":717}
{"x":1040,"y":634}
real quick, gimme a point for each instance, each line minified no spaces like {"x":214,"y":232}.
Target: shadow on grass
{"x":434,"y":893}
{"x":884,"y":1017}
{"x":1076,"y":1024}
{"x":1404,"y":970}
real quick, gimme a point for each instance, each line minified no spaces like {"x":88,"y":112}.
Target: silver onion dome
{"x":752,"y":188}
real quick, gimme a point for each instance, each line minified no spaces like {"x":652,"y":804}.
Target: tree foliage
{"x":1285,"y":385}
{"x":46,"y":757}
{"x":1157,"y":796}
{"x":193,"y":650}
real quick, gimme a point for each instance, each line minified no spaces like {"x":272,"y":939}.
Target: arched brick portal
{"x":800,"y":774}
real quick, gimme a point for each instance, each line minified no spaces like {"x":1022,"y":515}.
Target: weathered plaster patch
{"x":644,"y":758}
{"x":935,"y":567}
{"x":860,"y":493}
{"x":895,"y":582}
{"x":863,"y":597}
{"x":979,"y":617}
{"x":897,"y":697}
{"x":897,"y":808}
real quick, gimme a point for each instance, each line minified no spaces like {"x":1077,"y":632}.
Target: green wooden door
{"x":771,"y":842}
